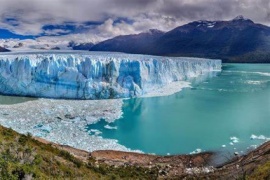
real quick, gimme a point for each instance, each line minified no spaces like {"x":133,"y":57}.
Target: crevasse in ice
{"x":86,"y":75}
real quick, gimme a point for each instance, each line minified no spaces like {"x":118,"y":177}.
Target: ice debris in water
{"x":197,"y":151}
{"x":253,"y":146}
{"x":260,"y":137}
{"x":64,"y":121}
{"x":109,"y":127}
{"x":234,"y":140}
{"x":95,"y":132}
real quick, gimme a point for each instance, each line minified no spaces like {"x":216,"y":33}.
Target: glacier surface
{"x":99,"y":75}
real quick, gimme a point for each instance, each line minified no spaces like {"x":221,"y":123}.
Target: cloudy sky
{"x":101,"y":19}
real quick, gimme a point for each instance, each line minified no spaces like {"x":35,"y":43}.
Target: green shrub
{"x":8,"y":133}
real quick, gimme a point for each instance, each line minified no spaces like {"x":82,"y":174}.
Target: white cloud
{"x":111,"y":28}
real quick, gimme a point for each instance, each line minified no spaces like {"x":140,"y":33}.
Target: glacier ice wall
{"x":86,"y":75}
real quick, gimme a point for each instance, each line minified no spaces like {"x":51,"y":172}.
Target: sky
{"x":95,"y":20}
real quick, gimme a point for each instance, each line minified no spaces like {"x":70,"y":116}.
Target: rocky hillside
{"x":237,"y":40}
{"x":254,"y":166}
{"x":25,"y":157}
{"x":22,"y":157}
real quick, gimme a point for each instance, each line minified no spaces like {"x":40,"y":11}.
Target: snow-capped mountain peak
{"x":240,"y":18}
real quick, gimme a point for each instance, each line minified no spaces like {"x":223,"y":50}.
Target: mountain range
{"x":237,"y":40}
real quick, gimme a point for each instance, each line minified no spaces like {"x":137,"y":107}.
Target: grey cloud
{"x":28,"y":16}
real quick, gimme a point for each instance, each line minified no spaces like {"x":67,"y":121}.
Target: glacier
{"x":94,"y":75}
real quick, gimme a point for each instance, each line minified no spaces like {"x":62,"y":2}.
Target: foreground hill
{"x":24,"y":157}
{"x":238,"y":40}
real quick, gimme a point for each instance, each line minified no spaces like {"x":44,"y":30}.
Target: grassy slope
{"x":24,"y":157}
{"x":262,"y":172}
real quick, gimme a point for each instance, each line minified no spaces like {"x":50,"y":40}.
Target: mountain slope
{"x":137,"y":43}
{"x":238,"y":40}
{"x":81,"y":46}
{"x":3,"y":49}
{"x":23,"y":157}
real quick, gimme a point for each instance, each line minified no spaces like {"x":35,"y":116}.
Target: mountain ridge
{"x":3,"y":49}
{"x":237,"y":40}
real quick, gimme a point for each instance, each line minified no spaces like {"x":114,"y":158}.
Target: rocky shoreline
{"x":176,"y":166}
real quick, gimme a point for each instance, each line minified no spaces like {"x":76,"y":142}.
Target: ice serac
{"x":85,"y":75}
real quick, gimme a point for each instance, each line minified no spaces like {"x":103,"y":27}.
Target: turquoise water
{"x":8,"y":100}
{"x":236,"y":103}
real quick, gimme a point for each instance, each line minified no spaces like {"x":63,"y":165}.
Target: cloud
{"x":111,"y":28}
{"x":28,"y":17}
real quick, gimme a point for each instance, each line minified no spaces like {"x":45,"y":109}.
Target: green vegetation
{"x":22,"y":157}
{"x":261,"y":172}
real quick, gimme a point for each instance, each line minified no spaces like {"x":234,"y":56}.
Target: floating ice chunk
{"x":75,"y":120}
{"x":197,"y":151}
{"x":254,"y":82}
{"x":223,"y":146}
{"x":253,"y":137}
{"x":231,"y":143}
{"x":254,"y":146}
{"x":95,"y":131}
{"x":234,"y":139}
{"x":260,"y":137}
{"x":109,"y":127}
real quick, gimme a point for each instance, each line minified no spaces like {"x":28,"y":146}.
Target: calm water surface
{"x":9,"y":100}
{"x":220,"y":114}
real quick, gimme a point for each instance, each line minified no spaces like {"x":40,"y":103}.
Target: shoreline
{"x":174,"y":166}
{"x":168,"y":166}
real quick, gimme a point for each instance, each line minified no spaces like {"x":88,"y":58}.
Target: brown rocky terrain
{"x":253,"y":165}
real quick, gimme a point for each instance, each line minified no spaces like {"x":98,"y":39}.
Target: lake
{"x":227,"y":113}
{"x":224,"y":112}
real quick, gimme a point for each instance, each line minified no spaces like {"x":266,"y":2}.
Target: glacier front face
{"x":87,"y":75}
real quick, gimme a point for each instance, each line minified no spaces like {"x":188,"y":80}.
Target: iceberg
{"x":94,"y":75}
